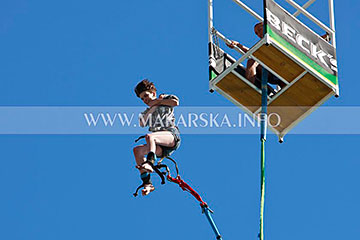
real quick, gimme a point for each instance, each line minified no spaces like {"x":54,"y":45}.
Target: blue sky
{"x":91,"y":53}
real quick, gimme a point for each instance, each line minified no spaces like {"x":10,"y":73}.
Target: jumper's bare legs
{"x":164,"y":138}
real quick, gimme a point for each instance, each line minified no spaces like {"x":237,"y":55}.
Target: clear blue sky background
{"x":92,"y":53}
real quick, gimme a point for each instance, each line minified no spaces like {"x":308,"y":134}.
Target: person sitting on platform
{"x":253,"y":69}
{"x":164,"y":136}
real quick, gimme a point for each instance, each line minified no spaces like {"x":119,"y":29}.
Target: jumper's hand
{"x":155,"y":102}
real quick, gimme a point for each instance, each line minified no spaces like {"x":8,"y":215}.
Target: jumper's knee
{"x":149,"y":137}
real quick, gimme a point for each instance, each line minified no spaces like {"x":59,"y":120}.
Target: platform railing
{"x":299,"y":10}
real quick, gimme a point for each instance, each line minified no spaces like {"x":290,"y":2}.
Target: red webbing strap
{"x":185,"y":187}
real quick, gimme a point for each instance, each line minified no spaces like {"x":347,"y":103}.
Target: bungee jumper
{"x":164,"y":136}
{"x":161,"y":142}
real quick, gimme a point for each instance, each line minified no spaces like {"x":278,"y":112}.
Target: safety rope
{"x":185,"y":187}
{"x":205,"y":208}
{"x":217,"y":52}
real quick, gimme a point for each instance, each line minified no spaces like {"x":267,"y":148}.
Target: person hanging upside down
{"x":164,"y":136}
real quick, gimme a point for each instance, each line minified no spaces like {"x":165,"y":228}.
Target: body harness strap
{"x":157,"y":170}
{"x":145,"y":177}
{"x":139,"y":138}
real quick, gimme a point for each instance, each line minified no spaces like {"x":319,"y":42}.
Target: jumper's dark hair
{"x":144,"y":85}
{"x":259,"y":23}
